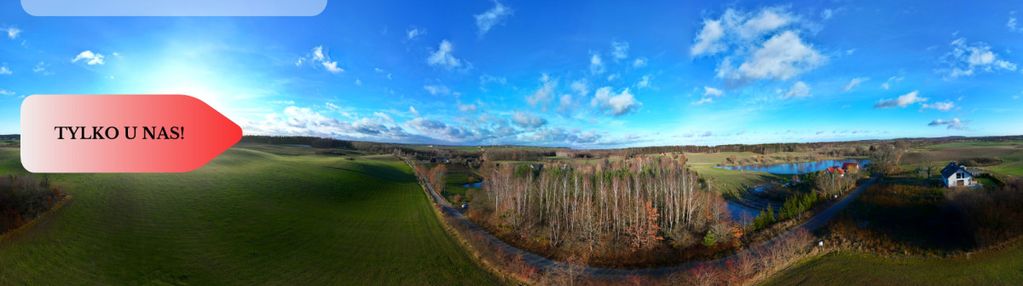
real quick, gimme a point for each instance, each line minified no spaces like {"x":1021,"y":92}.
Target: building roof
{"x":951,"y":168}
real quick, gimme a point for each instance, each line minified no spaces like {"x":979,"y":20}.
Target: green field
{"x":999,"y":267}
{"x":936,"y":156}
{"x":726,"y":180}
{"x":248,"y":217}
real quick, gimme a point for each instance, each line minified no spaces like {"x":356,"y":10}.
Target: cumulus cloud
{"x":1012,"y":24}
{"x":440,"y":130}
{"x":563,"y":136}
{"x":619,"y":50}
{"x":319,"y":56}
{"x":89,"y":58}
{"x":798,"y":89}
{"x":436,"y":89}
{"x":580,"y":87}
{"x":413,"y":32}
{"x":614,"y":103}
{"x":953,"y":123}
{"x":965,"y":59}
{"x":545,"y":93}
{"x":596,"y":64}
{"x":941,"y":106}
{"x":888,"y":83}
{"x":853,"y":83}
{"x":639,"y":62}
{"x":443,"y":56}
{"x":308,"y":122}
{"x":781,"y":57}
{"x":4,"y":70}
{"x":467,"y":107}
{"x":528,"y":120}
{"x":710,"y":91}
{"x":12,"y":32}
{"x":902,"y":101}
{"x":644,"y":82}
{"x":764,"y":45}
{"x":496,"y":15}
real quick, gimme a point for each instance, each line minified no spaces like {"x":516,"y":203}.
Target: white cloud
{"x":941,"y":106}
{"x":596,"y":63}
{"x":639,"y":62}
{"x":765,"y":44}
{"x":798,"y":90}
{"x":965,"y":59}
{"x":467,"y":107}
{"x":4,"y":70}
{"x":527,"y":120}
{"x":644,"y":82}
{"x":492,"y":17}
{"x":89,"y":58}
{"x":827,"y":14}
{"x":853,"y":83}
{"x":888,"y":83}
{"x":704,"y":100}
{"x":412,"y":110}
{"x":1012,"y":24}
{"x":615,"y":104}
{"x":545,"y":93}
{"x":40,"y":68}
{"x":6,"y":92}
{"x":953,"y":123}
{"x":443,"y":56}
{"x":318,"y":55}
{"x":565,"y":103}
{"x":709,"y":40}
{"x":580,"y":87}
{"x":12,"y":32}
{"x":710,"y":91}
{"x":619,"y":50}
{"x":332,"y":67}
{"x":902,"y":101}
{"x":412,"y":33}
{"x":436,"y":89}
{"x":308,"y":122}
{"x":781,"y":57}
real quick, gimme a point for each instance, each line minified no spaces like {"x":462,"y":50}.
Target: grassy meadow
{"x":993,"y":267}
{"x":726,"y":180}
{"x":255,"y":215}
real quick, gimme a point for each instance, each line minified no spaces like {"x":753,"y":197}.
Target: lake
{"x":795,"y":168}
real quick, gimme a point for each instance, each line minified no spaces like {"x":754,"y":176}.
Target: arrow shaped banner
{"x":121,"y":133}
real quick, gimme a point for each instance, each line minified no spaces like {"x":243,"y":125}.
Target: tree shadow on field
{"x":384,"y":173}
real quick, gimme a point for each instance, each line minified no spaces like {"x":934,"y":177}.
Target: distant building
{"x":956,"y":175}
{"x":836,"y":170}
{"x":851,"y":167}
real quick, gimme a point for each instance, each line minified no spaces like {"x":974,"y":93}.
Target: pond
{"x":795,"y":168}
{"x":740,"y":212}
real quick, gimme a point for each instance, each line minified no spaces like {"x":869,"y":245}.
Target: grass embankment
{"x":990,"y":267}
{"x":248,"y":217}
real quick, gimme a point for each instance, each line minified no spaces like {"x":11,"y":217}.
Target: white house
{"x":956,"y":175}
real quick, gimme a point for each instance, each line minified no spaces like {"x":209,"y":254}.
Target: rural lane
{"x":540,"y":262}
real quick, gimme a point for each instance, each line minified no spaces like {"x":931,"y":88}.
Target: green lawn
{"x":249,"y":217}
{"x":999,"y":267}
{"x":726,"y":180}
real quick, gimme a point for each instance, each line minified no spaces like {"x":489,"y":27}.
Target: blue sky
{"x":564,"y":73}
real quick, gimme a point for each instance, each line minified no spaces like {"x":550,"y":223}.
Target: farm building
{"x":851,"y":167}
{"x":956,"y":175}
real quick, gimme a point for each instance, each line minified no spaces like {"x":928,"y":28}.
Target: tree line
{"x":635,"y":205}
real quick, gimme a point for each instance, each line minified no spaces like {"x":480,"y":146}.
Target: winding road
{"x":540,"y":262}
